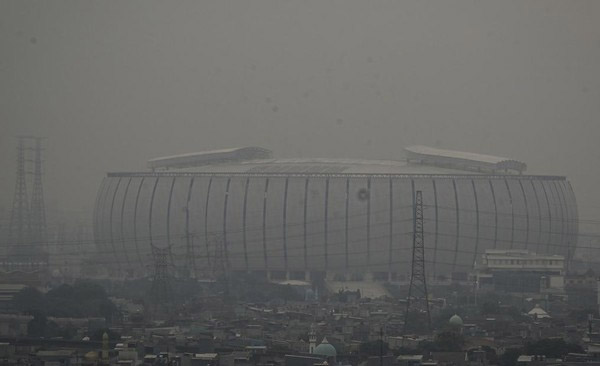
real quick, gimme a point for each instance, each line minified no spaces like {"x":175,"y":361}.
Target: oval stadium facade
{"x":293,"y":217}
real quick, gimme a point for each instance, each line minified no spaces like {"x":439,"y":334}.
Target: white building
{"x":521,"y":271}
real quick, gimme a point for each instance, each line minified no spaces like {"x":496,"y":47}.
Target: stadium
{"x":244,"y":210}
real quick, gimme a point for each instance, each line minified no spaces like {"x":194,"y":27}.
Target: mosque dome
{"x":91,"y":355}
{"x":325,"y":349}
{"x":456,"y":321}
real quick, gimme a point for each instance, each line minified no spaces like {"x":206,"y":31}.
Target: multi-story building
{"x":516,"y":270}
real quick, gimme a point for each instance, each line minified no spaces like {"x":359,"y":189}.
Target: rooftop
{"x":463,"y":160}
{"x":418,"y":160}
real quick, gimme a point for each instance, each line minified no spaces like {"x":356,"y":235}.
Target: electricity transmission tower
{"x":20,"y":207}
{"x":37,"y":211}
{"x":27,"y":229}
{"x":190,"y":262}
{"x":218,"y":262}
{"x":160,"y":291}
{"x":417,"y":299}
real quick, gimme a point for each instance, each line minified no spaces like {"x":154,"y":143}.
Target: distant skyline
{"x":110,"y":85}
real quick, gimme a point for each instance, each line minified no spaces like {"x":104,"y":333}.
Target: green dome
{"x":325,"y":349}
{"x":456,"y":321}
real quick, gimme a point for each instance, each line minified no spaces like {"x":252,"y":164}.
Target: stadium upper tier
{"x":328,"y":215}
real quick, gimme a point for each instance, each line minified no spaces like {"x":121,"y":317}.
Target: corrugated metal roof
{"x":426,"y":150}
{"x":466,"y":160}
{"x":209,"y":157}
{"x":323,"y":166}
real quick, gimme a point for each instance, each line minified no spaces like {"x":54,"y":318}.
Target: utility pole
{"x":380,"y":346}
{"x":418,"y":298}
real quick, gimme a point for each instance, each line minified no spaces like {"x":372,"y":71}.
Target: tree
{"x":489,"y":307}
{"x":510,"y":356}
{"x":374,"y":348}
{"x":37,"y":326}
{"x":29,"y":300}
{"x":552,"y":347}
{"x":490,"y":354}
{"x":84,"y":299}
{"x":444,"y":342}
{"x":418,"y":318}
{"x":449,"y":342}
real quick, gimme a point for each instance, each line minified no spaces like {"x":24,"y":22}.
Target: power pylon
{"x":418,"y":299}
{"x":160,"y":291}
{"x":218,"y":262}
{"x":37,"y":210}
{"x":190,"y":262}
{"x":20,"y":208}
{"x":61,"y":239}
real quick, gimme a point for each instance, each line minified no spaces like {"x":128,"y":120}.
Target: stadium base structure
{"x":345,"y":218}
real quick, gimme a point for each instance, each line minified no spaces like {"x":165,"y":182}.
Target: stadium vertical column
{"x":326,"y":221}
{"x":135,"y":212}
{"x":512,"y":215}
{"x":304,"y":223}
{"x":264,"y":224}
{"x":225,"y":246}
{"x":117,"y":219}
{"x":244,"y":237}
{"x":539,"y":216}
{"x":189,"y":249}
{"x":547,"y":251}
{"x":151,"y":241}
{"x":144,"y":226}
{"x":206,"y":234}
{"x":122,"y":221}
{"x":110,"y":224}
{"x":316,"y":223}
{"x":95,"y":215}
{"x":457,"y":240}
{"x":284,"y":240}
{"x":476,"y":251}
{"x":99,"y":231}
{"x":526,"y":215}
{"x":369,"y":193}
{"x":346,"y":223}
{"x":570,"y":223}
{"x":495,"y":214}
{"x":391,"y":226}
{"x":169,"y":216}
{"x":437,"y":229}
{"x":564,"y":217}
{"x":574,"y":217}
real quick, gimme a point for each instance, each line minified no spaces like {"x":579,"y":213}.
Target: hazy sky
{"x":111,"y":84}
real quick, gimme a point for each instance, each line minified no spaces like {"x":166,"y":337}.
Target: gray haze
{"x":111,"y":84}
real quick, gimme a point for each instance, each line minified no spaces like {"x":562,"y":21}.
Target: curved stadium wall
{"x":336,"y":223}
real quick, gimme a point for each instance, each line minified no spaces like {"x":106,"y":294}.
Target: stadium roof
{"x":209,"y":157}
{"x":257,"y":160}
{"x":462,"y":160}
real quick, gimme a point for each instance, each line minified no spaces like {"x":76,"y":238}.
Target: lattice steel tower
{"x":160,"y":292}
{"x":418,"y":299}
{"x":218,"y":262}
{"x":37,"y":210}
{"x":20,"y":208}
